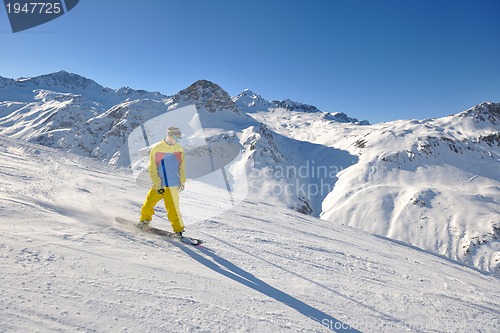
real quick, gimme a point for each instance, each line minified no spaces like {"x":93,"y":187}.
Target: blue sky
{"x":379,"y":60}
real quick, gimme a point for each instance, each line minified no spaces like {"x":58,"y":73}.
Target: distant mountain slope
{"x":250,"y":102}
{"x":23,"y":89}
{"x":432,"y":183}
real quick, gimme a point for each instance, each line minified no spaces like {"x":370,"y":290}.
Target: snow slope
{"x":68,"y":267}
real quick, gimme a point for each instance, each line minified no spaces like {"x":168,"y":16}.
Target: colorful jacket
{"x":166,"y":165}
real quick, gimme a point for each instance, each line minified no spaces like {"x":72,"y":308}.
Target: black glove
{"x":160,"y":191}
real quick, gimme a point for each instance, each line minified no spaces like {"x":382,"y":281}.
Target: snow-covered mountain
{"x":24,"y":89}
{"x":432,"y":183}
{"x":251,"y":102}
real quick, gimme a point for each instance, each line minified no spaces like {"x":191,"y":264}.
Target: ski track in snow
{"x":68,"y":267}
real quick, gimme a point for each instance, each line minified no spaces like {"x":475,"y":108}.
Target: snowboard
{"x":161,"y":232}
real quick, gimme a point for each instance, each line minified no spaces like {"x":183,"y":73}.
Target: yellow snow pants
{"x":171,"y":200}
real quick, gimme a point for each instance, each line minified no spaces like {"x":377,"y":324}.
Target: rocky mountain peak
{"x":208,"y":95}
{"x":248,"y":101}
{"x":343,"y":118}
{"x":249,"y":93}
{"x":63,"y":79}
{"x":295,"y":106}
{"x":486,"y":111}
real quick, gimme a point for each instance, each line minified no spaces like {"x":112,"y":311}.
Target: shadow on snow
{"x":233,"y":272}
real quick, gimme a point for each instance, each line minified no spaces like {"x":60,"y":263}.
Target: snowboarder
{"x":166,"y":170}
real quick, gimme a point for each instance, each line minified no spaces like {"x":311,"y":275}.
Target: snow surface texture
{"x":68,"y":267}
{"x":433,"y":183}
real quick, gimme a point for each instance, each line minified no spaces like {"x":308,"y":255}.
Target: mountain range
{"x":430,"y":183}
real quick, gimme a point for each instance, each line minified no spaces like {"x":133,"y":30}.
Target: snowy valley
{"x":342,"y":225}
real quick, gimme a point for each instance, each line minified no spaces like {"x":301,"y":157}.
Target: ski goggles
{"x":176,"y":138}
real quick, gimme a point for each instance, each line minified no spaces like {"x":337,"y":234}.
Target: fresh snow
{"x":399,"y":227}
{"x":67,"y":266}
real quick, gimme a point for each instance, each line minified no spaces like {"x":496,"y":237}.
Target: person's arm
{"x":153,"y":170}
